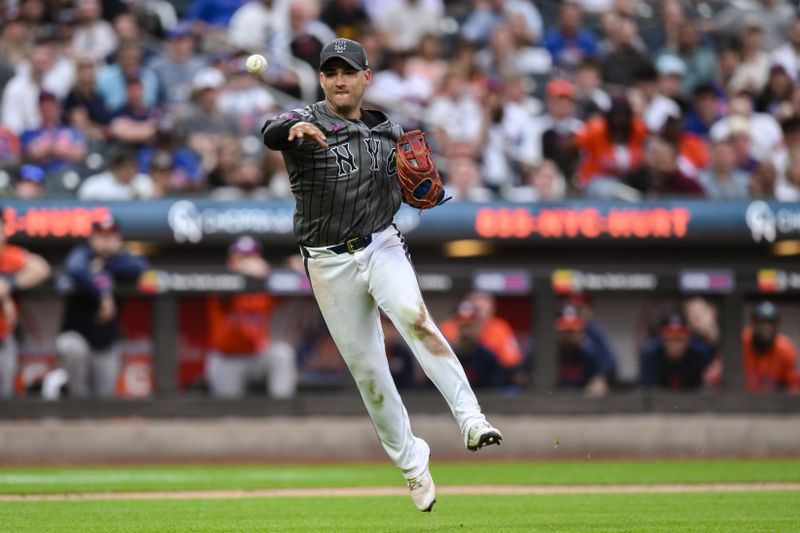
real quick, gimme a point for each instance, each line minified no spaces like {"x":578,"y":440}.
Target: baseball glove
{"x":419,"y":180}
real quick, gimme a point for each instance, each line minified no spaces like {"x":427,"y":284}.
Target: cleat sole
{"x":487,"y":440}
{"x":430,"y":507}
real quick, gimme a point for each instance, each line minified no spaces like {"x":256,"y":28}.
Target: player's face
{"x":344,"y":87}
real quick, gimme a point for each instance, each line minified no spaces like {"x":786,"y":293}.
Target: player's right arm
{"x":290,"y":130}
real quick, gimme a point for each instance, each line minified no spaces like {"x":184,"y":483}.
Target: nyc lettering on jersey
{"x":346,"y":163}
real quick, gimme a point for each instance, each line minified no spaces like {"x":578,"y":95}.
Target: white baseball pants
{"x":91,"y":372}
{"x":228,"y":375}
{"x":349,"y":289}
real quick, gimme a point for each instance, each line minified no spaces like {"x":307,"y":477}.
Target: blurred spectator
{"x":506,"y":54}
{"x":623,"y":58}
{"x":582,"y":363}
{"x":94,"y":37}
{"x":393,"y":87}
{"x":120,"y":182}
{"x":493,"y":332}
{"x":762,"y":129}
{"x":660,"y":174}
{"x":214,"y":13}
{"x":427,"y":63}
{"x":135,"y":124}
{"x":764,"y":181}
{"x":176,"y":68}
{"x":30,"y":183}
{"x":180,"y":162}
{"x":60,"y":74}
{"x":693,"y":155}
{"x":253,"y":24}
{"x":463,"y":181}
{"x":698,"y":60}
{"x":671,"y":75}
{"x":244,"y":99}
{"x":706,"y":109}
{"x":20,"y":104}
{"x":246,"y":182}
{"x":788,"y":187}
{"x":10,"y":149}
{"x":455,"y":116}
{"x":701,"y":319}
{"x":112,"y":79}
{"x":773,"y":16}
{"x":226,"y":162}
{"x":54,"y":145}
{"x":241,"y":350}
{"x":19,"y":270}
{"x":305,"y":35}
{"x":404,"y":23}
{"x":787,"y":54}
{"x":84,"y":108}
{"x":611,"y":146}
{"x":487,"y":14}
{"x":751,"y":76}
{"x":723,"y":180}
{"x":590,"y":98}
{"x":776,"y":98}
{"x":542,"y":183}
{"x":559,"y":126}
{"x":204,"y":126}
{"x":770,"y":357}
{"x":649,"y":101}
{"x":479,"y":362}
{"x":90,"y":333}
{"x":345,"y":17}
{"x":671,"y":360}
{"x":570,"y":42}
{"x":14,"y":41}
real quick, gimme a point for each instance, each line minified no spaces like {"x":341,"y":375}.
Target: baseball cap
{"x":674,"y":325}
{"x":207,"y":78}
{"x":181,"y":29}
{"x":669,"y":65}
{"x":557,"y":88}
{"x":105,"y":225}
{"x":244,"y":246}
{"x":569,"y":319}
{"x":32,"y":173}
{"x":766,"y":311}
{"x":350,"y":51}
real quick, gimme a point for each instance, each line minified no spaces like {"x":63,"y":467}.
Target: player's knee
{"x":71,"y":345}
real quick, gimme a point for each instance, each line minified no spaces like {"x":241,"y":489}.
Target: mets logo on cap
{"x":339,"y":46}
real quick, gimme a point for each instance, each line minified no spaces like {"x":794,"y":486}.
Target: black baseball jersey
{"x":348,"y":190}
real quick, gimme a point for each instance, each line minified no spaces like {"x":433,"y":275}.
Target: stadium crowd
{"x":523,"y":101}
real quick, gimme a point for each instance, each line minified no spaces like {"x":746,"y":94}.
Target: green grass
{"x":149,"y":478}
{"x":755,"y":512}
{"x":706,"y":512}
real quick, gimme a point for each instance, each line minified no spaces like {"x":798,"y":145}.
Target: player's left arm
{"x":34,"y":271}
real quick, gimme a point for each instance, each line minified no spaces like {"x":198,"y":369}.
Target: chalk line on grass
{"x":397,"y":491}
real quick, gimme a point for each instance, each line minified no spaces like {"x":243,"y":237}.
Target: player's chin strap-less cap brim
{"x":348,"y":50}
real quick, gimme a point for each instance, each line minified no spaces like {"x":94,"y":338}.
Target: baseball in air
{"x":256,"y":64}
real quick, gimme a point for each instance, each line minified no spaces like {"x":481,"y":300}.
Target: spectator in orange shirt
{"x":494,"y":332}
{"x":241,"y":350}
{"x":19,"y":270}
{"x":770,"y":358}
{"x":611,"y":146}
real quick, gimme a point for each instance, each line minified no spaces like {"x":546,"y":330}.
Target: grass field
{"x":750,"y":509}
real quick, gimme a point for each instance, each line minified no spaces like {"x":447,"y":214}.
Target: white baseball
{"x":256,"y":64}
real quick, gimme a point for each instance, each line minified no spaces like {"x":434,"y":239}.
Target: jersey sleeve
{"x":275,"y":131}
{"x":14,"y":258}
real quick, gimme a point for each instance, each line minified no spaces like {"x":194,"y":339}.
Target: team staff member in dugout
{"x":19,"y":269}
{"x":341,"y":163}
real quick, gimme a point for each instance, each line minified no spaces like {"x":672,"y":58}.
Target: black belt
{"x":350,"y":246}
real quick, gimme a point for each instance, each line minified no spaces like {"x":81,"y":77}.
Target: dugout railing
{"x":731,"y":289}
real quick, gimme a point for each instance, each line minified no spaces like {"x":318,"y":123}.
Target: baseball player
{"x":19,"y":269}
{"x":343,"y":171}
{"x":89,"y":340}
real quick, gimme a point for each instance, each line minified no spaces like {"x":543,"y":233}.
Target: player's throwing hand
{"x":307,"y":132}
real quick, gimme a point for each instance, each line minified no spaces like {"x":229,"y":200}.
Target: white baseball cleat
{"x":482,"y":434}
{"x":423,"y":491}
